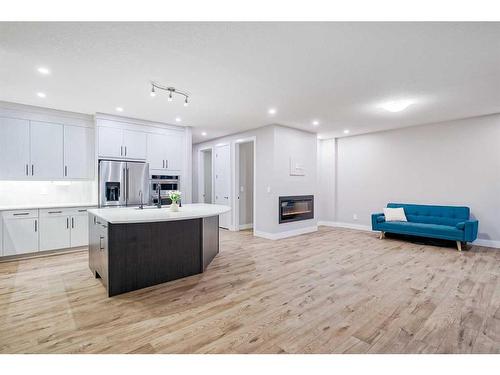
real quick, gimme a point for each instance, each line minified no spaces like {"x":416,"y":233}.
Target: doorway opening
{"x":245,"y":184}
{"x":207,"y":193}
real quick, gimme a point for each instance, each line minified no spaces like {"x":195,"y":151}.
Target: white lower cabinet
{"x":29,"y":231}
{"x":54,"y":229}
{"x":20,"y":232}
{"x":79,"y":229}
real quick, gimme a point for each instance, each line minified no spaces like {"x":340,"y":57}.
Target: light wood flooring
{"x":334,"y":291}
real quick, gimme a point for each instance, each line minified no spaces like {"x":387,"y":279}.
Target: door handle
{"x":125,"y":150}
{"x":36,"y":225}
{"x":32,"y":169}
{"x":72,"y":222}
{"x":67,"y":223}
{"x":166,"y":163}
{"x":101,"y":247}
{"x":121,"y":150}
{"x":65,"y":170}
{"x":27,"y":173}
{"x":163,"y":165}
{"x":127,"y":177}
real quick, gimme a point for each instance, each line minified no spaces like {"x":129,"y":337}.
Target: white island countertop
{"x":128,"y":215}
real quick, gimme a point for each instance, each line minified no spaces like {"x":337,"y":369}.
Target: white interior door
{"x":78,"y":152}
{"x":46,"y":150}
{"x":222,"y":185}
{"x":14,"y":148}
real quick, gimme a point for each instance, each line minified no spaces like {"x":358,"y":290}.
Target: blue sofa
{"x":443,"y":222}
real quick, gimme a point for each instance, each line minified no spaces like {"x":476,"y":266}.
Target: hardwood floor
{"x":334,"y":291}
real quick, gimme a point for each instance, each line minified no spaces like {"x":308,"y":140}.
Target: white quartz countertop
{"x":149,"y":214}
{"x":41,"y":206}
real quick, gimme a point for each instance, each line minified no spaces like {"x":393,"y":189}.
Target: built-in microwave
{"x":166,"y":183}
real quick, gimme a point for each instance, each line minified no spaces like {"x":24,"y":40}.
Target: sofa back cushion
{"x":428,"y":214}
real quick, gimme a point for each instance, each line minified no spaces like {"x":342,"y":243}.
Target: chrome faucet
{"x":158,"y":190}
{"x":141,"y":206}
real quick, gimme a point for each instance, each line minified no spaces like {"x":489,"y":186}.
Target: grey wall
{"x":246,"y":183}
{"x":207,"y":178}
{"x":450,"y":163}
{"x":274,"y":146}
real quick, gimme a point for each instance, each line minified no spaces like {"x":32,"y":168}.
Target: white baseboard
{"x":345,"y":225}
{"x":288,"y":233}
{"x":487,"y":243}
{"x":478,"y":242}
{"x":246,"y":226}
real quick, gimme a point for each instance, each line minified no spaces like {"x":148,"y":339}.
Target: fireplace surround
{"x":296,"y":208}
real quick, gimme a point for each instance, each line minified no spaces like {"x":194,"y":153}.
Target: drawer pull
{"x":22,"y":214}
{"x":101,"y":247}
{"x":82,"y":210}
{"x":55,"y":212}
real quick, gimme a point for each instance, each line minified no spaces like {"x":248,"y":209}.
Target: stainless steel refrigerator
{"x":123,"y":183}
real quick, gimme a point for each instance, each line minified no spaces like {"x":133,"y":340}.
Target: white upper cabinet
{"x":46,"y":150}
{"x":78,"y":152}
{"x":121,"y":143}
{"x":134,"y":144}
{"x":14,"y":148}
{"x":174,"y":151}
{"x":110,"y":142}
{"x":165,"y":151}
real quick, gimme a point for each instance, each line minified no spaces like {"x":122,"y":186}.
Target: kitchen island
{"x":132,"y":248}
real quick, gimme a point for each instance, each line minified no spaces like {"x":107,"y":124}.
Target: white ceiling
{"x":336,"y":73}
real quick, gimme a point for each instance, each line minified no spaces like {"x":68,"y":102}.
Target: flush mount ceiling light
{"x":315,"y":123}
{"x":171,"y":91}
{"x":203,"y":133}
{"x":119,"y":109}
{"x":346,"y":131}
{"x":41,"y":94}
{"x":178,"y":119}
{"x":272,"y":111}
{"x":396,"y":105}
{"x":43,"y":70}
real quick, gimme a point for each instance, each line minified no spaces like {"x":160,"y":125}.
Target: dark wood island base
{"x":132,"y":256}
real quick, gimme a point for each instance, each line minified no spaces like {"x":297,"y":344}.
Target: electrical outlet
{"x":355,"y":216}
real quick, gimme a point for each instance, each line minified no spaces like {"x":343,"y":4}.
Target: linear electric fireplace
{"x":295,"y":208}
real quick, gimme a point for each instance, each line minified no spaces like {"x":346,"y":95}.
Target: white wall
{"x":274,"y":146}
{"x":325,"y":207}
{"x":450,"y":163}
{"x":245,"y":193}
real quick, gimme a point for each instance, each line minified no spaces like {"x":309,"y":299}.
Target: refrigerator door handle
{"x":127,"y":177}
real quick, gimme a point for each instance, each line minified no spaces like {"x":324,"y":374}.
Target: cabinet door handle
{"x":55,"y":212}
{"x":166,"y":163}
{"x":65,"y":170}
{"x":84,"y":210}
{"x":67,"y":223}
{"x":163,"y":163}
{"x":72,"y":222}
{"x":36,"y":225}
{"x":125,"y":150}
{"x":22,"y":214}
{"x":32,"y":169}
{"x":27,"y":173}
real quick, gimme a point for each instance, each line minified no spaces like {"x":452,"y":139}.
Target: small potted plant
{"x":175,"y":197}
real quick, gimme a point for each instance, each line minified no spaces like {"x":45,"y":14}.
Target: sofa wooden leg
{"x":459,"y":246}
{"x":382,"y":235}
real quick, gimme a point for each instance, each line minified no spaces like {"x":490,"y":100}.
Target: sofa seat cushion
{"x":422,"y":229}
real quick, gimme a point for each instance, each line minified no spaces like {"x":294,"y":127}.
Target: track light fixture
{"x":171,"y":92}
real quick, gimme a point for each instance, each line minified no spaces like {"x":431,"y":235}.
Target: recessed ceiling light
{"x":272,"y":111}
{"x":178,"y":119}
{"x":43,"y":70}
{"x":41,"y":94}
{"x":346,"y":131}
{"x":203,"y":133}
{"x":315,"y":123}
{"x":119,"y":109}
{"x":396,"y":105}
